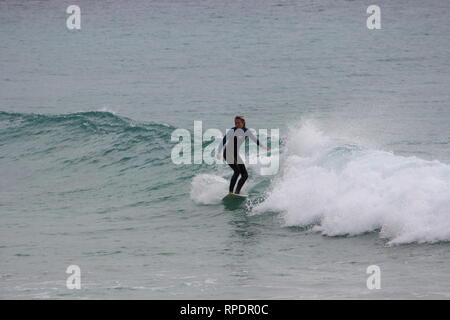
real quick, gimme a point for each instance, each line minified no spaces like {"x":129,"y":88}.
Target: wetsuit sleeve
{"x":226,"y":137}
{"x":250,"y":134}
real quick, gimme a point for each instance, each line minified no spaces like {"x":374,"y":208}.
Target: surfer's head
{"x":239,"y":122}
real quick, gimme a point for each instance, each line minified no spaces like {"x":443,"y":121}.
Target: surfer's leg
{"x":234,"y":177}
{"x":244,"y":176}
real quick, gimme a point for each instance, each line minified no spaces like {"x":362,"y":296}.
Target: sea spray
{"x":346,"y":189}
{"x":208,"y":189}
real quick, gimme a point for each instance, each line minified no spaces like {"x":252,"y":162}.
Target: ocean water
{"x":87,"y":179}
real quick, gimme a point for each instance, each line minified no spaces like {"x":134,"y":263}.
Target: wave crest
{"x":345,"y":189}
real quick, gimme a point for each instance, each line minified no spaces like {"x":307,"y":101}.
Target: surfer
{"x":231,"y":143}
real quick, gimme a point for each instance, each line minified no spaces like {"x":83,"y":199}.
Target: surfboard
{"x":235,"y":196}
{"x":233,"y":201}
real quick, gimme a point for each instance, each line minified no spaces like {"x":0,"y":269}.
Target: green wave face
{"x":97,"y":154}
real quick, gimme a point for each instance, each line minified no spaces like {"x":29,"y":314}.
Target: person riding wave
{"x":233,"y":139}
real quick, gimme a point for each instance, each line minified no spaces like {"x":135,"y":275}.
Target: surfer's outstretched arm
{"x":250,"y":134}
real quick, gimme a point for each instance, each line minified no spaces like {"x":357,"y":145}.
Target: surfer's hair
{"x":240,"y":118}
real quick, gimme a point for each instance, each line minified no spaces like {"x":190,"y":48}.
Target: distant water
{"x":86,"y":119}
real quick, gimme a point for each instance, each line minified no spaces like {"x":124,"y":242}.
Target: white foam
{"x":107,"y":109}
{"x":208,"y":189}
{"x":344,"y":189}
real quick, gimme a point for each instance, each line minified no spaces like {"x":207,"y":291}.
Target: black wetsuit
{"x":234,"y":160}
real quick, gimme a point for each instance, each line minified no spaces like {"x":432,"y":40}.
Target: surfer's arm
{"x":255,"y":139}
